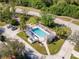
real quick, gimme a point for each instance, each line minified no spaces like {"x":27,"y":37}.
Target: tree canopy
{"x":57,"y":7}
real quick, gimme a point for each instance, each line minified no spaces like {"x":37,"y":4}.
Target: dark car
{"x":14,"y":28}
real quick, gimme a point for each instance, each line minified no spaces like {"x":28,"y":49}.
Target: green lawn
{"x":75,"y":22}
{"x":55,"y":46}
{"x":65,"y":18}
{"x":73,"y":57}
{"x":37,"y":46}
{"x":76,"y":48}
{"x":32,"y":21}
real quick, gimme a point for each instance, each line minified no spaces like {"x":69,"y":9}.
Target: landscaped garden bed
{"x":37,"y":46}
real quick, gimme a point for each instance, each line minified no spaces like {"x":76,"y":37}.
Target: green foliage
{"x":32,"y":20}
{"x":2,"y":38}
{"x":12,"y":48}
{"x":46,"y":19}
{"x":57,"y":7}
{"x":5,"y":14}
{"x":14,"y":22}
{"x":22,"y":22}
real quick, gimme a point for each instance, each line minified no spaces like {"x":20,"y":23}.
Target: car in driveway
{"x":14,"y":28}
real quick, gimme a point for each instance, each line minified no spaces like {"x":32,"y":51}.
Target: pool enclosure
{"x":39,"y":33}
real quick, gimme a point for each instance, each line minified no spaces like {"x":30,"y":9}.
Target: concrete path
{"x":46,"y":47}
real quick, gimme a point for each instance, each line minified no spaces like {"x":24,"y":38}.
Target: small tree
{"x":47,"y":20}
{"x":16,"y":48}
{"x":14,"y":22}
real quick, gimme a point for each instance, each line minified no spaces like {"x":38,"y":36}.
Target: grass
{"x":32,"y":21}
{"x":55,"y":46}
{"x":37,"y":46}
{"x":65,"y":18}
{"x":2,"y":23}
{"x":75,"y":22}
{"x":73,"y":57}
{"x":76,"y":48}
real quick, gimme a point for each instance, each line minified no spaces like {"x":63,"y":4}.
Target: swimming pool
{"x":39,"y":32}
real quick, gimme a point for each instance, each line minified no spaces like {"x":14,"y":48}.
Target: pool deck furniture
{"x":40,"y":33}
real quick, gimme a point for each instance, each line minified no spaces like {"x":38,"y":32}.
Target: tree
{"x":47,"y":19}
{"x":22,"y":22}
{"x":5,"y":14}
{"x":12,"y":48}
{"x":17,"y":48}
{"x":2,"y":38}
{"x":14,"y":22}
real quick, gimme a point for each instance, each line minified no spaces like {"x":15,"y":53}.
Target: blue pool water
{"x":39,"y":32}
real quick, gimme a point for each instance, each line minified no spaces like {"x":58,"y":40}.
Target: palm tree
{"x":13,"y":49}
{"x":17,"y":48}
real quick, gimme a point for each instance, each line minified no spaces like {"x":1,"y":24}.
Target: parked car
{"x":13,"y":28}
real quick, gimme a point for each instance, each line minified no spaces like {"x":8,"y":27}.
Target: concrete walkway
{"x":46,"y":47}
